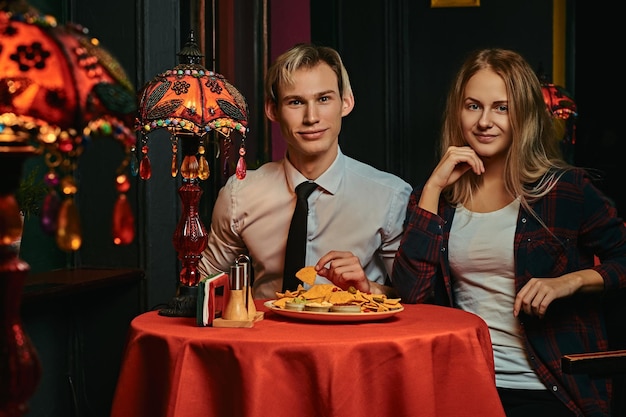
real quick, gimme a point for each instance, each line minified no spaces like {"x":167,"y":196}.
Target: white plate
{"x":331,"y":316}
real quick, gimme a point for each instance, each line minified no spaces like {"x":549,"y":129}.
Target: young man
{"x":356,"y":212}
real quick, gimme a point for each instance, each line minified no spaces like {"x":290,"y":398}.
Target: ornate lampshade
{"x":57,"y":89}
{"x":191,"y":102}
{"x":61,"y":88}
{"x":564,"y":111}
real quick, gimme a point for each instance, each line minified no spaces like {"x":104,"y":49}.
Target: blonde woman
{"x":505,"y":229}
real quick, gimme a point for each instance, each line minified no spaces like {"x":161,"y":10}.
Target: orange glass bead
{"x":123,"y":221}
{"x":203,"y":168}
{"x":122,"y":183}
{"x":68,"y":185}
{"x":69,"y":232}
{"x":189,"y":168}
{"x":174,"y":167}
{"x":11,"y":225}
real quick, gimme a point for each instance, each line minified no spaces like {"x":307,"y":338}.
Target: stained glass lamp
{"x":564,"y":112}
{"x":192,"y":103}
{"x":58,"y":87}
{"x":62,"y":88}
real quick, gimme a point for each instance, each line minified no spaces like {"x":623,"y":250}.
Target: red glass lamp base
{"x":20,"y":369}
{"x":190,"y":239}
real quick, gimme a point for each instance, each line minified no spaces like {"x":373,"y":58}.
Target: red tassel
{"x":145,"y":169}
{"x":241,"y":168}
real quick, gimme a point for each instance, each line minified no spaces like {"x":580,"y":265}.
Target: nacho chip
{"x":307,"y":275}
{"x":319,"y":291}
{"x":282,"y":301}
{"x":341,"y":297}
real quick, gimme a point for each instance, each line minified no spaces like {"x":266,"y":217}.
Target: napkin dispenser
{"x":211,"y":304}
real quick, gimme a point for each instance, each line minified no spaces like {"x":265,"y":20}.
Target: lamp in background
{"x":193,"y":104}
{"x":559,"y":102}
{"x":564,"y":112}
{"x":59,"y":86}
{"x":57,"y":89}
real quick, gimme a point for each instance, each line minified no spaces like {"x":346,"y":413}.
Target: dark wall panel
{"x":402,"y":55}
{"x":601,"y":141}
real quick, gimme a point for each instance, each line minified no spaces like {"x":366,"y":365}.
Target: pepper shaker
{"x":236,"y":307}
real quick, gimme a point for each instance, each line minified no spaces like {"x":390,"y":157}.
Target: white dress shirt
{"x":355,"y":208}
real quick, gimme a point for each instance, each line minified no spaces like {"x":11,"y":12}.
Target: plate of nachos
{"x":327,"y":302}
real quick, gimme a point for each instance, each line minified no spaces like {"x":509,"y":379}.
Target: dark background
{"x":401,"y":56}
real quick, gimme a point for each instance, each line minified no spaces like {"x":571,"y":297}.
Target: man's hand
{"x":344,"y":270}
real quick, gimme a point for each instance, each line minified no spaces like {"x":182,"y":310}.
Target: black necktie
{"x":296,"y":241}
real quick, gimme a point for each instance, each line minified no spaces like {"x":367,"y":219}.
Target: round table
{"x":424,"y":361}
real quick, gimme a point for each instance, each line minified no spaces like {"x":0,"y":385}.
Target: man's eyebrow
{"x":301,"y":98}
{"x":291,"y":96}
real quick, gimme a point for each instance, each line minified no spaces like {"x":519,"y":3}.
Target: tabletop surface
{"x":424,"y":361}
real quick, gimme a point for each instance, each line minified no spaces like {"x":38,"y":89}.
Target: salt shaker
{"x":245,"y":262}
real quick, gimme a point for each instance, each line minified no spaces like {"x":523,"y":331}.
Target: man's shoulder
{"x":371,"y":174}
{"x":268,"y":172}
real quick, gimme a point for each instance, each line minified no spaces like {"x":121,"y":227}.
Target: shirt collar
{"x":329,"y":180}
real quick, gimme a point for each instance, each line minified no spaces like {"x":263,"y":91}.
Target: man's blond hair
{"x":304,"y":55}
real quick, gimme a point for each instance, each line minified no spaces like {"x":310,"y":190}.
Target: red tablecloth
{"x":424,"y":361}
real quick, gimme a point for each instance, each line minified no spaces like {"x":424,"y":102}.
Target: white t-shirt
{"x":482,"y":267}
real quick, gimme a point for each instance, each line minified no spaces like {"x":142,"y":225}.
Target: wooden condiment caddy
{"x":239,"y":309}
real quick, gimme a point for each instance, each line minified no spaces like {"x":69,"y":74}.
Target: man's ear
{"x":270,"y":110}
{"x":348,"y":104}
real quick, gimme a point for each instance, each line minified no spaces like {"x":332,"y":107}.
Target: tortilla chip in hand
{"x":307,"y":275}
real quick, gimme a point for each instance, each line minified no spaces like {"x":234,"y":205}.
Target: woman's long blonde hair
{"x":533,"y":162}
